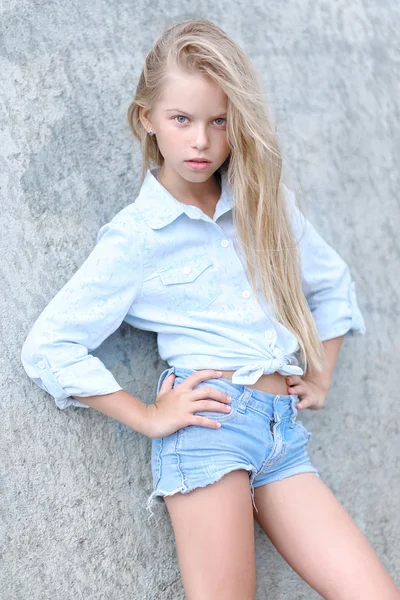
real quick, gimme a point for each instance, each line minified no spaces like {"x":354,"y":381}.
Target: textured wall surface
{"x":74,"y":482}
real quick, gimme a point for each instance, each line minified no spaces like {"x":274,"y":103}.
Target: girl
{"x":216,"y":257}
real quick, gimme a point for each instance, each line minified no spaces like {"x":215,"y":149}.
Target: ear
{"x":144,"y":115}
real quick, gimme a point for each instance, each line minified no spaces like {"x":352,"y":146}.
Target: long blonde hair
{"x":254,"y":168}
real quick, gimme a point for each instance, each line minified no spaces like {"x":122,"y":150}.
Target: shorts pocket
{"x":191,"y":283}
{"x":302,"y":430}
{"x":221,"y":417}
{"x":163,"y":376}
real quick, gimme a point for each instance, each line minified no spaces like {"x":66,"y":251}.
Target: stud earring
{"x":150,"y":132}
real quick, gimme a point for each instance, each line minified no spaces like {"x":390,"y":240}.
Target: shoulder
{"x":292,"y":207}
{"x":300,"y":225}
{"x":288,"y":197}
{"x":127,"y":222}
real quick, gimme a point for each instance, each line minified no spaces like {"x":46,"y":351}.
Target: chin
{"x":194,"y":176}
{"x":199,"y":176}
{"x":203,"y":174}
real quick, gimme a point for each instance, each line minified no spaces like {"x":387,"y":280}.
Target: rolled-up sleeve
{"x":88,"y":309}
{"x":326,"y":281}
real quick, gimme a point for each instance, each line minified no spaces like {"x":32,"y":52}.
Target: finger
{"x":210,"y":405}
{"x":304,"y":403}
{"x":293,"y":379}
{"x":168,"y":383}
{"x":208,"y":391}
{"x":204,"y":422}
{"x":297,"y":389}
{"x":198,"y":376}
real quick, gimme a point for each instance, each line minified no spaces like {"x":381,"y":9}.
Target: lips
{"x":200,"y":160}
{"x":198,"y":165}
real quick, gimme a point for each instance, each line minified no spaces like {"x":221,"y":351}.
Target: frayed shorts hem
{"x":260,"y":435}
{"x":159,"y":494}
{"x":271,"y":477}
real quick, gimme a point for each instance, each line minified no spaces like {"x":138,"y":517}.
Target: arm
{"x":123,"y":407}
{"x":323,"y":379}
{"x":330,"y":293}
{"x":87,"y":310}
{"x":327,"y":282}
{"x":313,"y":386}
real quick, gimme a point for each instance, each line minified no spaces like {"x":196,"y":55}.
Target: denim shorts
{"x":260,"y":434}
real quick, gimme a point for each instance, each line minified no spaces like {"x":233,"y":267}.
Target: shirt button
{"x":41,"y":364}
{"x":224,"y":243}
{"x":187,"y":270}
{"x":245,"y":293}
{"x":268,"y":334}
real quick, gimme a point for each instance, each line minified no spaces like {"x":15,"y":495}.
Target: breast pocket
{"x":191,"y":283}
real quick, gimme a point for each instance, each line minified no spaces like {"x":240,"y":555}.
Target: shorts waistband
{"x":269,"y":404}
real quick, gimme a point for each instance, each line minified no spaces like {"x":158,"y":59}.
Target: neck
{"x":203,"y":195}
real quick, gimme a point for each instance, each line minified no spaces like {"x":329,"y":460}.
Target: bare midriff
{"x":272,"y":383}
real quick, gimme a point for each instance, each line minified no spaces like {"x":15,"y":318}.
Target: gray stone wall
{"x":74,"y":482}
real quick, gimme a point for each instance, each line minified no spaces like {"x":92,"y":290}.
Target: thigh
{"x":214,"y":534}
{"x":320,"y":541}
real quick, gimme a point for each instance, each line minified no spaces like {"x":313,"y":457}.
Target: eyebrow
{"x":186,"y":113}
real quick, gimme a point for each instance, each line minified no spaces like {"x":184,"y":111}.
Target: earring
{"x":150,"y":132}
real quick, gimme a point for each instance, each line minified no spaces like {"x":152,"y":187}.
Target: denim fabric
{"x":164,"y":266}
{"x":260,"y":434}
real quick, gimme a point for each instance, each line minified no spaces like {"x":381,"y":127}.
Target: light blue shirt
{"x":164,"y":266}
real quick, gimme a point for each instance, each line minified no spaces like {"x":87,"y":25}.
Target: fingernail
{"x":229,"y":398}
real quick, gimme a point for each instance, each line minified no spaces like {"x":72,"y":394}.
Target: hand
{"x":174,"y":407}
{"x":312,"y":395}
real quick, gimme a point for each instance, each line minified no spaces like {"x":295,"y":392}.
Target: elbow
{"x":28,"y":351}
{"x":357,"y":323}
{"x":38,"y":369}
{"x":339,"y":316}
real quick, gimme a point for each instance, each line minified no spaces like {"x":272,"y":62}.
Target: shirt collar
{"x":159,"y":208}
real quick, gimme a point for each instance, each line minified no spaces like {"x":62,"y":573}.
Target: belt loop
{"x":293,"y":407}
{"x":276,"y":415}
{"x":244,"y":399}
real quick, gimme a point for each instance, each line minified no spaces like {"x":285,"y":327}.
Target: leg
{"x":214,"y":534}
{"x":317,"y":537}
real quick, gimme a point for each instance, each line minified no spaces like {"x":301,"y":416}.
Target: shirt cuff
{"x":348,"y":321}
{"x":88,"y":377}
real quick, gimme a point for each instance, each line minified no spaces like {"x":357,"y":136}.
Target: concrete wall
{"x":74,"y":482}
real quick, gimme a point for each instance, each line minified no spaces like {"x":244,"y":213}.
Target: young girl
{"x":216,"y":257}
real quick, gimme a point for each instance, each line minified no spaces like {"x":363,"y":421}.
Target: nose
{"x":200,"y":138}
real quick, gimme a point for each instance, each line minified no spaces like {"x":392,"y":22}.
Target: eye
{"x":180,"y":117}
{"x":220,"y":119}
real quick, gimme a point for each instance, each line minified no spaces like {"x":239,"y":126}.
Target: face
{"x":189,"y":121}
